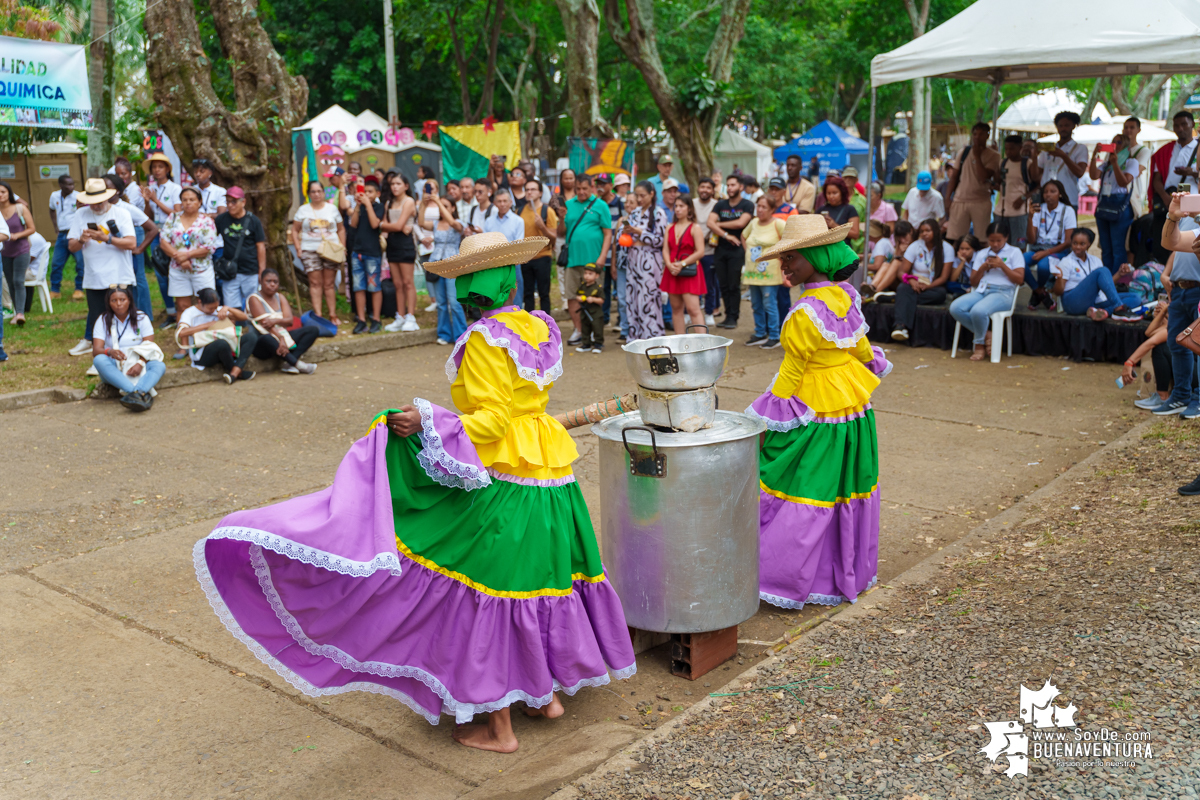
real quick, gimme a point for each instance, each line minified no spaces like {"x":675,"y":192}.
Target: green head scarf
{"x":488,"y":288}
{"x":828,"y":259}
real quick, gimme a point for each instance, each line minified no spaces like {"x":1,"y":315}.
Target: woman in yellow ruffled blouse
{"x":819,"y":464}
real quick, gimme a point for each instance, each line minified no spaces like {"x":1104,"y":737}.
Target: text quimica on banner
{"x":44,"y":84}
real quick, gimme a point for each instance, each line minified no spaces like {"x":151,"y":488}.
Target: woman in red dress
{"x":683,"y":280}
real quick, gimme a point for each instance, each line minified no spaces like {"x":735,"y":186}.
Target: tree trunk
{"x":1093,"y":98}
{"x":250,"y":146}
{"x":102,"y":85}
{"x":919,"y":134}
{"x":1185,"y":91}
{"x":581,"y":23}
{"x":1150,"y":88}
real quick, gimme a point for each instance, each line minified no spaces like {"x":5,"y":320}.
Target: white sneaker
{"x":442,"y":341}
{"x":584,"y":349}
{"x":81,"y":348}
{"x":306,"y":368}
{"x":288,"y":369}
{"x":396,"y":326}
{"x":410,"y":323}
{"x":900,"y":335}
{"x":709,"y":321}
{"x":432,"y":306}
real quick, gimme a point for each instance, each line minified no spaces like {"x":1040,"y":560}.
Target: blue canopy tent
{"x":833,"y":146}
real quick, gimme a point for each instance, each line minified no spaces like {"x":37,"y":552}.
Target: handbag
{"x":278,"y":331}
{"x":688,"y":271}
{"x":225,"y":269}
{"x":563,"y":256}
{"x":1190,"y":337}
{"x":223,"y":330}
{"x":159,"y":258}
{"x":1111,"y":206}
{"x":332,"y":250}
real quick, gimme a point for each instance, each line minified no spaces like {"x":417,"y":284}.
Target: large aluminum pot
{"x":679,"y":521}
{"x":682,"y":411}
{"x":677,"y":363}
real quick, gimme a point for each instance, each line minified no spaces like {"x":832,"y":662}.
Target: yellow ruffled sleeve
{"x":800,"y":340}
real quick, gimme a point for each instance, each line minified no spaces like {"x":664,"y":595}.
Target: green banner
{"x":460,"y":161}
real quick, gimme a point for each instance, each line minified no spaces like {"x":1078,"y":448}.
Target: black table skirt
{"x":1038,"y":333}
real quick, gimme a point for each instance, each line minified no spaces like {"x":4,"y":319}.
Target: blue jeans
{"x":622,"y":316}
{"x":1112,"y":240}
{"x":365,"y":273}
{"x":766,"y":310}
{"x":239,"y":289}
{"x":712,"y":297}
{"x":139,"y":272}
{"x":61,"y":254}
{"x":1039,"y":276}
{"x":783,"y":300}
{"x":1180,"y":314}
{"x":451,"y":321}
{"x":1083,"y":296}
{"x":974,"y":311}
{"x":110,"y":373}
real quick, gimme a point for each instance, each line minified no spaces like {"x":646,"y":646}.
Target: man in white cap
{"x":668,"y":196}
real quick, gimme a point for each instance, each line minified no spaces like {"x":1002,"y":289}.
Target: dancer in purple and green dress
{"x":455,"y":570}
{"x":819,"y":463}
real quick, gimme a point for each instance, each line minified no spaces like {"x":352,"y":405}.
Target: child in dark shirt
{"x":591,"y":298}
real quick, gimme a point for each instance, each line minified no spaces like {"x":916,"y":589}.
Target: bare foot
{"x":979,"y":353}
{"x":551,"y":710}
{"x":497,"y":735}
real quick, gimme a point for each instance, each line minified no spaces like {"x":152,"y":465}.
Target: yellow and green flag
{"x":466,"y":149}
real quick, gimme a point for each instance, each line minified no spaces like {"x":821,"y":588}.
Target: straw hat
{"x":95,"y":190}
{"x":485,"y":251}
{"x":805,"y":230}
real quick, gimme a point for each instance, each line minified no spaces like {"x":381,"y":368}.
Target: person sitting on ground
{"x":924,"y":271}
{"x":1085,"y":284}
{"x":888,"y":273}
{"x":272,"y":316}
{"x":964,"y":256}
{"x":204,"y":316}
{"x":1156,"y":346}
{"x":880,"y":249}
{"x":1050,"y":226}
{"x":995,"y":278}
{"x":119,"y":350}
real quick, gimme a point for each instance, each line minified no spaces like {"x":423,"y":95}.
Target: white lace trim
{"x":828,"y":335}
{"x":814,"y":598}
{"x":785,"y":426}
{"x":433,"y":453}
{"x":887,"y":370}
{"x":200,"y":564}
{"x":546,"y":483}
{"x":463,"y":712}
{"x":309,"y":555}
{"x":528,"y":373}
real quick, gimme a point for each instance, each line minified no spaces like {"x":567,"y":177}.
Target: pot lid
{"x":727,"y":426}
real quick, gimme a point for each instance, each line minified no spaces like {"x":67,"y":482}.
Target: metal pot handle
{"x":652,"y":467}
{"x":646,"y":353}
{"x":689,"y":327}
{"x":661,"y":365}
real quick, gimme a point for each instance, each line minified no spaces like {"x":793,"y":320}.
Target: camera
{"x":1036,"y":198}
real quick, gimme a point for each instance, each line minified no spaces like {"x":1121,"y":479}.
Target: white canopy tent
{"x":734,"y":149}
{"x":1034,"y":113}
{"x":1030,"y":41}
{"x":1092,"y":135}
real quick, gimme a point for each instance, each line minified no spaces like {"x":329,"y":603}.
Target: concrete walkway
{"x":119,"y":681}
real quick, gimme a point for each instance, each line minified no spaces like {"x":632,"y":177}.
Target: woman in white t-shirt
{"x":887,"y":269}
{"x":924,"y":271}
{"x":996,"y":275}
{"x":319,"y":221}
{"x":1085,"y":284}
{"x":120,"y":329}
{"x":1114,"y":214}
{"x":204,"y":316}
{"x":964,"y":258}
{"x":1049,"y":231}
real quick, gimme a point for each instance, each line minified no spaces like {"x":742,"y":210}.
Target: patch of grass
{"x":1173,"y":432}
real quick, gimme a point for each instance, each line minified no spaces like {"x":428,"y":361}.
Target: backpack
{"x":1031,"y":185}
{"x":1146,"y":281}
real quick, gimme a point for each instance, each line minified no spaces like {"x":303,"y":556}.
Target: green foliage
{"x":702,"y":93}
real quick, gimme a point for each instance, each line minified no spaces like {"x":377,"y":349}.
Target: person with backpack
{"x":1013,"y":188}
{"x":540,"y":220}
{"x":1114,"y":214}
{"x":970,"y":190}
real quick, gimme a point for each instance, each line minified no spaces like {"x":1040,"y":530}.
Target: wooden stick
{"x":598,"y":411}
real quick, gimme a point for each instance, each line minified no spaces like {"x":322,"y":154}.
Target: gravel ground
{"x":1094,"y":590}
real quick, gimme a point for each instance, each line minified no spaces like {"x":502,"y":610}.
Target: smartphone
{"x":93,"y":226}
{"x":428,"y":187}
{"x":1036,"y":198}
{"x":360,"y":189}
{"x":1047,"y":147}
{"x":1108,"y":148}
{"x":1190,"y":204}
{"x":1121,"y":380}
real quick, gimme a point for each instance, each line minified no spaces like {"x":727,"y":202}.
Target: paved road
{"x":119,"y":680}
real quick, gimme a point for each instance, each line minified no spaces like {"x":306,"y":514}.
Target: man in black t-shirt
{"x":237,"y":226}
{"x":726,"y":221}
{"x":366,"y":256}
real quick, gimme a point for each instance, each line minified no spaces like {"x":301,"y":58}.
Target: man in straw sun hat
{"x":496,"y":592}
{"x":104,"y":233}
{"x":819,"y":465}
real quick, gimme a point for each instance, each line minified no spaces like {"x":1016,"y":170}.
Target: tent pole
{"x":861,"y":274}
{"x":996,"y":110}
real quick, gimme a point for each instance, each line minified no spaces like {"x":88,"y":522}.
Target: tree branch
{"x":695,"y":15}
{"x":862,"y":90}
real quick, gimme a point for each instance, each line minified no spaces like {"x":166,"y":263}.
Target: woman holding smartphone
{"x":1050,"y":226}
{"x":1114,"y":215}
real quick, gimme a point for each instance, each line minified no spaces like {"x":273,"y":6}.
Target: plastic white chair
{"x":1001,"y":320}
{"x":43,"y":288}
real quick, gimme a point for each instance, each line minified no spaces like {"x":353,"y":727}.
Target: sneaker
{"x":288,"y":369}
{"x":1049,"y":302}
{"x":56,"y":295}
{"x":179,"y":355}
{"x":395,"y":327}
{"x":1169,"y":408}
{"x":622,"y":339}
{"x":359,"y":326}
{"x":597,"y":349}
{"x":431,"y":307}
{"x":166,"y":326}
{"x":584,"y":349}
{"x":709,"y":321}
{"x":755,"y":340}
{"x":880,"y":297}
{"x":1191,"y":412}
{"x":247,"y":375}
{"x":81,"y":348}
{"x":147,"y":401}
{"x":78,"y":295}
{"x":442,"y":341}
{"x":306,"y":368}
{"x":575,"y":339}
{"x":1190,"y":489}
{"x":900,"y":335}
{"x":1097,"y":314}
{"x":375,"y":327}
{"x":131,"y":401}
{"x":410,"y":324}
{"x":1149,"y":403}
{"x":770,"y":344}
{"x":228,"y":378}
